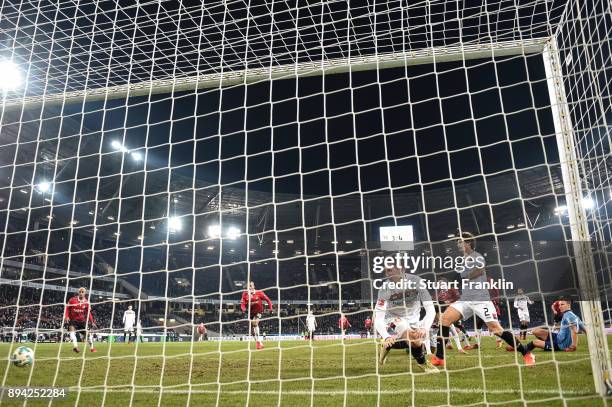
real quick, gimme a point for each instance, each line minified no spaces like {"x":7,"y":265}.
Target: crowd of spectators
{"x":24,"y":313}
{"x":46,"y":316}
{"x":292,"y":319}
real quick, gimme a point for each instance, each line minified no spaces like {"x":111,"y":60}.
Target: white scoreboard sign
{"x":396,"y":237}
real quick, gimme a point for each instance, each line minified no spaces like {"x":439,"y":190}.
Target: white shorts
{"x":311,"y":328}
{"x":484,"y":310}
{"x":128,"y":328}
{"x":523,"y":315}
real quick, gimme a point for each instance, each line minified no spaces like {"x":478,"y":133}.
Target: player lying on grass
{"x":252,"y":299}
{"x":567,"y":337}
{"x":399,"y":311}
{"x":78,"y":318}
{"x":474,"y":301}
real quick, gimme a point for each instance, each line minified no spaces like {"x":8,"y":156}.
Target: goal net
{"x":167,"y":155}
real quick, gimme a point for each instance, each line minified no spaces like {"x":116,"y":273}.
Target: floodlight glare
{"x":136,"y":156}
{"x":116,"y":144}
{"x":175,"y":224}
{"x":233,"y":233}
{"x":214,"y":231}
{"x":560,"y":210}
{"x":44,"y":187}
{"x":10,"y":76}
{"x":588,"y":203}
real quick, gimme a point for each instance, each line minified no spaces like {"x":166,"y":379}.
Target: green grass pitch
{"x":293,"y":373}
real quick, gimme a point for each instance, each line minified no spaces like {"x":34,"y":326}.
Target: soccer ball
{"x":23,"y":356}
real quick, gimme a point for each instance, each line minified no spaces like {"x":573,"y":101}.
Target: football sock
{"x":456,"y":337}
{"x":256,"y":333}
{"x":417,"y":354}
{"x":428,"y":346}
{"x":90,"y":340}
{"x":509,"y":338}
{"x":73,"y":339}
{"x":440,"y":343}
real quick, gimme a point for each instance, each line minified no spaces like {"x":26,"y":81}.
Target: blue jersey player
{"x":567,"y":337}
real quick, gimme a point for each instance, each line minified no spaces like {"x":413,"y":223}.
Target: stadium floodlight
{"x":44,"y":187}
{"x":136,"y":156}
{"x":117,"y":145}
{"x":175,"y":224}
{"x":588,"y":203}
{"x":233,"y":233}
{"x":10,"y":76}
{"x":560,"y":210}
{"x":214,"y":231}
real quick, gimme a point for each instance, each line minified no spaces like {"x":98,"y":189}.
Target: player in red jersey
{"x":368,"y":326}
{"x":445,"y":297}
{"x":343,"y":324}
{"x":78,"y":317}
{"x":203,"y":334}
{"x":253,"y":298}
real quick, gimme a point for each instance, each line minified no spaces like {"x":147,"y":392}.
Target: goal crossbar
{"x":302,"y":69}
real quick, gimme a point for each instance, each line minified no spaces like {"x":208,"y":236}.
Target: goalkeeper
{"x":566,"y":339}
{"x":399,"y":311}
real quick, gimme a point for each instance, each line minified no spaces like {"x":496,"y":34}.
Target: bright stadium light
{"x":10,"y":76}
{"x":588,"y":203}
{"x":560,"y":210}
{"x":214,"y":231}
{"x":233,"y":233}
{"x":44,"y":187}
{"x":137,"y":156}
{"x":117,"y":145}
{"x":175,"y":224}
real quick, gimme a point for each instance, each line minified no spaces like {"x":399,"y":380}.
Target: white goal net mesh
{"x":163,"y":155}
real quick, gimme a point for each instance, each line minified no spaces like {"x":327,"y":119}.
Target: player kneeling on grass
{"x":567,"y":337}
{"x":78,"y":315}
{"x":399,"y":311}
{"x":474,"y":301}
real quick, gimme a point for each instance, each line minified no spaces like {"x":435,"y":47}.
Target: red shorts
{"x":256,"y":312}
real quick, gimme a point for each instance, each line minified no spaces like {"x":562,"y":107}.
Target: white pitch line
{"x":340,"y":392}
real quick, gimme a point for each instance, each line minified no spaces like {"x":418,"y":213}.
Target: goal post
{"x":590,"y":303}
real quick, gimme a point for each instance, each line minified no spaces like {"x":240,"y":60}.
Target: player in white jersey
{"x":474,"y":301}
{"x":129,"y":318}
{"x":311,"y":324}
{"x":399,"y":310}
{"x":522,"y":303}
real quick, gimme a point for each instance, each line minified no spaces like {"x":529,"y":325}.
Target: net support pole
{"x":590,"y":304}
